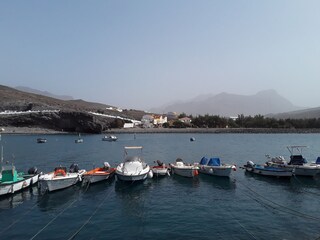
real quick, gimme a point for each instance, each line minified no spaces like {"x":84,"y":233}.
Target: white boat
{"x":110,"y":138}
{"x":133,"y":168}
{"x":214,"y":167}
{"x":60,"y":178}
{"x":183,"y":169}
{"x":161,"y":169}
{"x":267,"y":170}
{"x":297,"y":162}
{"x":99,"y":174}
{"x":41,"y":140}
{"x":79,"y":140}
{"x":11,"y":181}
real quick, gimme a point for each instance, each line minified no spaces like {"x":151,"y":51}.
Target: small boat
{"x":214,"y":167}
{"x":11,"y":181}
{"x":60,"y":178}
{"x":183,"y":169}
{"x":268,"y":170}
{"x":99,"y":174}
{"x":133,"y":168}
{"x":161,"y":169}
{"x":41,"y":140}
{"x":297,"y":162}
{"x":110,"y":138}
{"x":79,"y":140}
{"x":192,"y":139}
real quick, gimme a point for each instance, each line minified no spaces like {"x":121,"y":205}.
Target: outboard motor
{"x":33,"y":170}
{"x":250,"y":164}
{"x":74,"y":168}
{"x":106,"y":165}
{"x":159,"y":163}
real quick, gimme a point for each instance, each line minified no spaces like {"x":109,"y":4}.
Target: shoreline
{"x":42,"y":131}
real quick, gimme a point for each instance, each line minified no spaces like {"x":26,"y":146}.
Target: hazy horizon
{"x":144,"y":54}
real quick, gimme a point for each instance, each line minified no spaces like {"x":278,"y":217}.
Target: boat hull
{"x":222,"y":171}
{"x":131,"y":178}
{"x":96,"y":177}
{"x":270,"y":171}
{"x":160,"y":171}
{"x":11,"y":188}
{"x":185,"y":172}
{"x":50,"y":183}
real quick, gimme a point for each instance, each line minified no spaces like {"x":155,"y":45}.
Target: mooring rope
{"x":282,"y":207}
{"x":34,"y":236}
{"x":95,"y":211}
{"x":22,"y":216}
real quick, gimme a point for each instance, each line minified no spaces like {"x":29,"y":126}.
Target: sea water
{"x":244,"y":206}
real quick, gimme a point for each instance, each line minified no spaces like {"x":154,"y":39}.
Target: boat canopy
{"x":204,"y":161}
{"x":214,"y":162}
{"x":318,"y":160}
{"x":133,"y":159}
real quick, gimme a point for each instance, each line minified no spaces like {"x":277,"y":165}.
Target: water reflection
{"x":186,"y":182}
{"x":219,"y":182}
{"x":56,"y":200}
{"x":14,"y":200}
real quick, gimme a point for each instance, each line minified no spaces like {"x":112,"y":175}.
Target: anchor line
{"x":34,"y":236}
{"x":280,"y":208}
{"x":22,"y":216}
{"x":90,"y":217}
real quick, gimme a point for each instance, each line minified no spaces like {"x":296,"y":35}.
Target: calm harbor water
{"x":242,"y":207}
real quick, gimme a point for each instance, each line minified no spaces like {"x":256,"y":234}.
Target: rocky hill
{"x":22,"y":109}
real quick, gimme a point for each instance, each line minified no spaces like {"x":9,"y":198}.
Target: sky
{"x":144,"y":53}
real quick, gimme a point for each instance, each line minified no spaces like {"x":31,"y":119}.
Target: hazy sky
{"x":142,"y":54}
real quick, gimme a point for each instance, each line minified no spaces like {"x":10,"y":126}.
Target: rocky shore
{"x":33,"y":130}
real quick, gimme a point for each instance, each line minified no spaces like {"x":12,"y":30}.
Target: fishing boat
{"x":214,"y":167}
{"x":161,"y":169}
{"x":133,"y":168}
{"x":183,"y":169}
{"x":12,"y":181}
{"x":110,"y":138}
{"x":60,"y":178}
{"x":79,"y":140}
{"x":99,"y":174}
{"x":297,"y":162}
{"x":267,"y":170}
{"x":41,"y":140}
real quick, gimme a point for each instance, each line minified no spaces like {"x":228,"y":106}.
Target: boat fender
{"x":150,"y":174}
{"x":195,"y":172}
{"x":210,"y":170}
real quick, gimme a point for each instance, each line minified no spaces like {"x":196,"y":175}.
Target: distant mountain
{"x":43,"y":93}
{"x":300,"y":114}
{"x":226,"y":104}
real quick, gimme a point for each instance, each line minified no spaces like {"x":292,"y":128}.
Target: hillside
{"x":226,"y":104}
{"x":33,"y":110}
{"x":302,"y":114}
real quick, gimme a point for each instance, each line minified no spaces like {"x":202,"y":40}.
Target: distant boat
{"x":110,"y":138}
{"x":79,"y":140}
{"x":41,"y":140}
